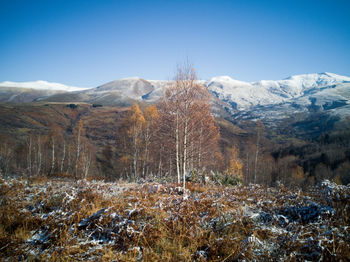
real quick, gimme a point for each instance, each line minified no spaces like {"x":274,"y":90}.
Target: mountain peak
{"x":133,"y":78}
{"x":318,"y":76}
{"x":227,"y":80}
{"x":222,"y":78}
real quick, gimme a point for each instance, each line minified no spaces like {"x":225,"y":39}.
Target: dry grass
{"x":88,"y":221}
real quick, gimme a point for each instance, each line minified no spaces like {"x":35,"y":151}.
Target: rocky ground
{"x":60,"y":220}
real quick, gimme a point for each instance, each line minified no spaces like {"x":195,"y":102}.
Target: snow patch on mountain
{"x":244,"y":95}
{"x":133,"y":87}
{"x":41,"y":85}
{"x":240,"y":94}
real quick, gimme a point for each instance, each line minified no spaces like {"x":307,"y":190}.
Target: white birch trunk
{"x":185,"y":155}
{"x":53,"y":156}
{"x":87,"y":164}
{"x":145,"y":157}
{"x":63,"y":157}
{"x":177,"y":149}
{"x":78,"y":155}
{"x":135,"y":153}
{"x":30,"y":156}
{"x":256,"y":156}
{"x":39,"y":156}
{"x":200,"y":146}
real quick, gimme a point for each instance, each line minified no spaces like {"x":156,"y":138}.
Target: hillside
{"x":308,"y":96}
{"x":25,"y":92}
{"x":266,"y":99}
{"x":91,"y":220}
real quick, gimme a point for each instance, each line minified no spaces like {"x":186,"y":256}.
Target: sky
{"x":88,"y":43}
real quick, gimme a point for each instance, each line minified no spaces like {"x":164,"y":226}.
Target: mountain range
{"x":265,"y":99}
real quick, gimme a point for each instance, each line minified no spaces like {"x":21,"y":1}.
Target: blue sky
{"x":88,"y":43}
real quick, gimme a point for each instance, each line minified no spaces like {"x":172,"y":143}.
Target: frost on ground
{"x":93,"y":220}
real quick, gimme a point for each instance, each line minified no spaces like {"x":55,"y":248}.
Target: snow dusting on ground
{"x":94,"y":220}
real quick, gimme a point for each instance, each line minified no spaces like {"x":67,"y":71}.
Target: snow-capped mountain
{"x":23,"y":92}
{"x":270,"y":100}
{"x":268,"y":92}
{"x":122,"y":92}
{"x":41,"y":85}
{"x":274,"y":99}
{"x":133,"y":88}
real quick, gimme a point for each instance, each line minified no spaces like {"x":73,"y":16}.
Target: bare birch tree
{"x":183,"y":101}
{"x":78,"y":147}
{"x":259,"y":129}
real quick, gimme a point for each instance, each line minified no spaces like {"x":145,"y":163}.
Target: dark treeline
{"x":295,"y":159}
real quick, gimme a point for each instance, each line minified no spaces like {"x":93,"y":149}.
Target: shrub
{"x":72,"y":106}
{"x":225,"y":179}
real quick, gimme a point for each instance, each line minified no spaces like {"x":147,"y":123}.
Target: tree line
{"x":49,"y":154}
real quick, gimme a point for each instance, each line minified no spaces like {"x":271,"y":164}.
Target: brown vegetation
{"x":87,"y":221}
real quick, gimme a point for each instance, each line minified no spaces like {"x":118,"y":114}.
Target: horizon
{"x":127,"y":78}
{"x":88,"y":43}
{"x":132,"y":77}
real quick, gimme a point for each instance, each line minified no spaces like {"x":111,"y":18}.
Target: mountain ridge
{"x":41,"y":85}
{"x":248,"y":100}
